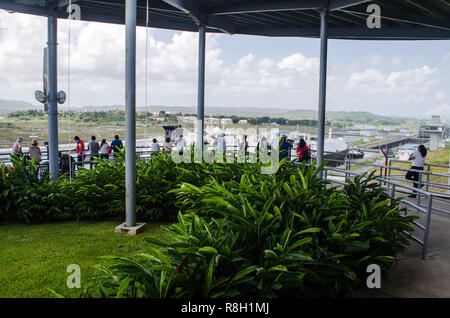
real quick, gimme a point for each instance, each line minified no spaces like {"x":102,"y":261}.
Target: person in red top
{"x":80,"y":148}
{"x":303,"y":151}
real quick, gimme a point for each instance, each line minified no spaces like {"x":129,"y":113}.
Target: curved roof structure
{"x":400,"y":19}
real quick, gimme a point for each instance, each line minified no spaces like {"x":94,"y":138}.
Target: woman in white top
{"x":154,"y":147}
{"x":418,"y":159}
{"x":104,"y":154}
{"x":180,"y":143}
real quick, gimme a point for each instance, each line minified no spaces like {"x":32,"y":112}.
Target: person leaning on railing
{"x":154,"y":146}
{"x":418,"y":161}
{"x":35,"y":151}
{"x":116,"y":145}
{"x":104,"y":147}
{"x":17,"y":147}
{"x":167,"y":146}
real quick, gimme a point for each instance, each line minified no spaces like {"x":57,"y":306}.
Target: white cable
{"x":68,"y":93}
{"x":146,"y":65}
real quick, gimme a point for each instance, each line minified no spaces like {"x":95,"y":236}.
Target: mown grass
{"x":35,"y":257}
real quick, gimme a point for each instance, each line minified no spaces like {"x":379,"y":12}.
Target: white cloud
{"x":374,"y":59}
{"x":447,"y":57}
{"x":252,"y":79}
{"x":397,"y":60}
{"x":300,"y":63}
{"x":441,"y":95}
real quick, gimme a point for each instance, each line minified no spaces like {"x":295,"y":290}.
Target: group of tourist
{"x":303,"y":151}
{"x":180,"y":144}
{"x":33,"y":151}
{"x":103,"y":150}
{"x":97,"y":150}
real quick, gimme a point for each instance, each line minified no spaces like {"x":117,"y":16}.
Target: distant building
{"x":405,"y":131}
{"x":212,"y":120}
{"x":243,"y":122}
{"x":405,"y":151}
{"x":388,"y":128}
{"x":155,"y":117}
{"x":435,"y":131}
{"x":369,"y":132}
{"x":187,"y":119}
{"x":363,"y":127}
{"x":226,"y":121}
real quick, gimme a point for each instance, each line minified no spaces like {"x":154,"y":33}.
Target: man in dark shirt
{"x":93,"y":147}
{"x":284,"y":147}
{"x":116,"y":145}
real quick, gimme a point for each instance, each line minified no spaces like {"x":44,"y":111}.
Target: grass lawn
{"x":35,"y":257}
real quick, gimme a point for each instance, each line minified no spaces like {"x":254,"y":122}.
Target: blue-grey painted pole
{"x":130,"y":112}
{"x":52,"y":94}
{"x":322,"y":85}
{"x":201,"y":86}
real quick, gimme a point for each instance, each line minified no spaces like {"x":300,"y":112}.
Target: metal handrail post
{"x":390,"y":165}
{"x":428,"y":177}
{"x":381,"y":174}
{"x":419,"y":184}
{"x":346,"y":168}
{"x":392,"y":192}
{"x":427,"y":227}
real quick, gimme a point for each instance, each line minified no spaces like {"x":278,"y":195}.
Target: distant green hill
{"x":342,"y":116}
{"x":7,"y":106}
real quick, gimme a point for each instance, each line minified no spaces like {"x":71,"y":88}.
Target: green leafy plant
{"x":24,"y":197}
{"x":284,"y":235}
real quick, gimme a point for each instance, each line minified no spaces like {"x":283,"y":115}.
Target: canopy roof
{"x":400,"y":19}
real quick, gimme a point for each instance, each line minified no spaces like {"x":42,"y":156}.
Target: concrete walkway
{"x":410,"y":276}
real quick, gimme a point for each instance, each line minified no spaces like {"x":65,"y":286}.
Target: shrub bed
{"x":100,"y":193}
{"x":26,"y":198}
{"x":283,"y":235}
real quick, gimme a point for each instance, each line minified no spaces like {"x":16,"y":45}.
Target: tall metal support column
{"x":201,"y":86}
{"x":130,"y":112}
{"x":52,"y":95}
{"x":322,"y":85}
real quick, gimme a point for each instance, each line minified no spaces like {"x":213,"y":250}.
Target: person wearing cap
{"x":284,"y":147}
{"x":17,"y":147}
{"x":35,"y":151}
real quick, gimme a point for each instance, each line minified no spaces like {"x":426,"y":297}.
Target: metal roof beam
{"x":416,"y":33}
{"x":24,"y":8}
{"x":408,"y":19}
{"x":269,"y":7}
{"x":200,"y":18}
{"x":65,"y":3}
{"x":190,"y":8}
{"x":342,"y":4}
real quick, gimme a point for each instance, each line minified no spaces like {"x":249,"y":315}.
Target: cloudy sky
{"x":391,"y":78}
